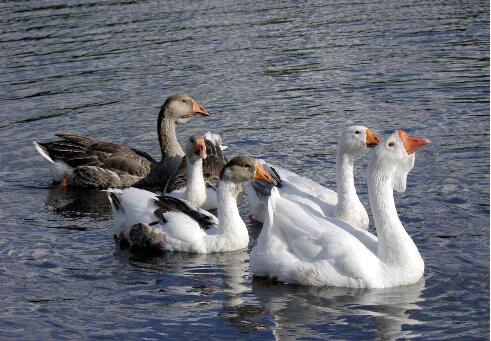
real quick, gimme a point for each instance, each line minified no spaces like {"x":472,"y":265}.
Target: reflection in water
{"x":76,"y":202}
{"x":220,"y":279}
{"x":219,"y":282}
{"x":297,"y":309}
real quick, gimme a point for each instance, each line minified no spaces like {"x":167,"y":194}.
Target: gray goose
{"x":81,"y":161}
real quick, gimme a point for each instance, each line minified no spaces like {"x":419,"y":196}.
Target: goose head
{"x":244,"y":168}
{"x":196,"y":148}
{"x":357,"y":140}
{"x":181,"y":108}
{"x":396,"y":155}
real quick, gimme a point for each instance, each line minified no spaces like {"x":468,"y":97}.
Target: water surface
{"x":282,"y":80}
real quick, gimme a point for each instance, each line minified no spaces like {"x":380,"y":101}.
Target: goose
{"x":296,"y":246}
{"x":81,"y":161}
{"x":345,"y":205}
{"x":165,"y":223}
{"x":194,"y":183}
{"x":189,"y":183}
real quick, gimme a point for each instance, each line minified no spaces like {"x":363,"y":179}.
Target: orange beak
{"x":372,"y":138}
{"x":198,"y":109}
{"x":261,"y":174}
{"x":412,"y":144}
{"x":201,"y":148}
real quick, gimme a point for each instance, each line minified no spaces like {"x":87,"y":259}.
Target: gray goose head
{"x":196,"y":148}
{"x":244,"y":168}
{"x":176,"y":109}
{"x":181,"y":108}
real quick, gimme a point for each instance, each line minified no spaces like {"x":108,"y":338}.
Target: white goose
{"x":169,"y":224}
{"x":296,"y":246}
{"x":345,"y":205}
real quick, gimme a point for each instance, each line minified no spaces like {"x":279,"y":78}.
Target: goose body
{"x":344,"y":205}
{"x":294,"y":186}
{"x":297,"y":245}
{"x":85,"y":162}
{"x":170,"y":224}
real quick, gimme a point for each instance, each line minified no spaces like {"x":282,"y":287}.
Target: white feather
{"x":59,"y":169}
{"x":181,"y":232}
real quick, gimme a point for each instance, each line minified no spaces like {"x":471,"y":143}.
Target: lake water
{"x":282,"y":79}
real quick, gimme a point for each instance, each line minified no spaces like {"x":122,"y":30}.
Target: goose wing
{"x":98,"y":163}
{"x":296,"y":237}
{"x":170,"y":204}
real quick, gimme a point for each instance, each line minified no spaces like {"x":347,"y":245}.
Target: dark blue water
{"x":282,"y":79}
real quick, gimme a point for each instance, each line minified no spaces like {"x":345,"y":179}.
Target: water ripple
{"x":282,"y":80}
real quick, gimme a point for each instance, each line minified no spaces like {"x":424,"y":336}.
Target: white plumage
{"x":355,"y":141}
{"x":59,"y":169}
{"x":177,"y":225}
{"x":299,"y":245}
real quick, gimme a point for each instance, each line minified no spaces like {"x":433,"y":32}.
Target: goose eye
{"x":391,"y":144}
{"x":184,"y":100}
{"x":357,"y":132}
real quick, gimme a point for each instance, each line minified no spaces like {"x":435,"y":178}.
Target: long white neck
{"x":395,"y":246}
{"x":349,"y":207}
{"x":169,"y":144}
{"x":232,"y":229}
{"x":195,"y":189}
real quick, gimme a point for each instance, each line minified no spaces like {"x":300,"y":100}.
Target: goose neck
{"x":169,"y":144}
{"x":395,"y":246}
{"x":228,"y":213}
{"x":195,"y":189}
{"x":345,"y":181}
{"x":349,"y":207}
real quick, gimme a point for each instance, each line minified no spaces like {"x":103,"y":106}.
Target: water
{"x":282,"y":80}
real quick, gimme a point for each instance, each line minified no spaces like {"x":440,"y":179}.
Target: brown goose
{"x":80,"y":161}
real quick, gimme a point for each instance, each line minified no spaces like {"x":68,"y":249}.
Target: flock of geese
{"x":311,"y":235}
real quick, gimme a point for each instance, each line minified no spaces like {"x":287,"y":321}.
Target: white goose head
{"x":196,"y":148}
{"x":395,"y":157}
{"x":357,"y":140}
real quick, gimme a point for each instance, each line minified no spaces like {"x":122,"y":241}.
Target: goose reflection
{"x":75,"y":203}
{"x":217,"y":281}
{"x":353,"y":311}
